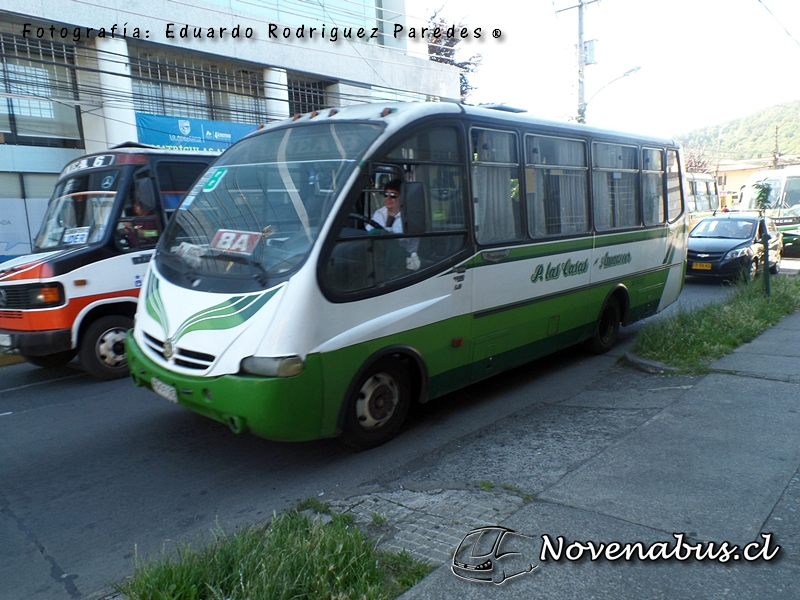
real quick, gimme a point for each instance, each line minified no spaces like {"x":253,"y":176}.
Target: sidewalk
{"x":714,"y":457}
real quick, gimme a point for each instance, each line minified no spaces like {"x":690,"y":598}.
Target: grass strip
{"x":691,"y":339}
{"x":293,"y":557}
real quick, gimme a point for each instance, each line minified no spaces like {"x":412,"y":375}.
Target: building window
{"x":306,"y":95}
{"x":38,"y":81}
{"x":193,"y":87}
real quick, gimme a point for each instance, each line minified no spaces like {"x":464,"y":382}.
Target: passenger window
{"x":556,"y":180}
{"x":616,"y":186}
{"x":653,"y":186}
{"x":674,"y":191}
{"x":371,"y":250}
{"x":495,"y":180}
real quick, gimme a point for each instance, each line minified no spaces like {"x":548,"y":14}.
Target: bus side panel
{"x":529,"y":303}
{"x":447,"y":363}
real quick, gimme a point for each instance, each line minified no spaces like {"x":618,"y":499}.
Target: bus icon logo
{"x":493,"y":554}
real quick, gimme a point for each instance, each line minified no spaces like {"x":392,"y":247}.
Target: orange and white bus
{"x":76,"y":293}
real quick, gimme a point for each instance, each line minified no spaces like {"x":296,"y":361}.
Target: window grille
{"x":306,"y":95}
{"x":37,"y":80}
{"x":181,"y":85}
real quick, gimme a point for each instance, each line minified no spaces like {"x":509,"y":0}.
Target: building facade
{"x":79,"y":77}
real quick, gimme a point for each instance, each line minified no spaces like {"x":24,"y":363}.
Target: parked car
{"x":729,"y":246}
{"x":791,"y":242}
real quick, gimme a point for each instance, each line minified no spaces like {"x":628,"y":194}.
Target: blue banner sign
{"x":177,"y":133}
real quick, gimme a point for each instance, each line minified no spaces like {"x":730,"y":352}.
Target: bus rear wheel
{"x":607,"y":328}
{"x":378,"y":406}
{"x":59,"y":359}
{"x":102,"y":351}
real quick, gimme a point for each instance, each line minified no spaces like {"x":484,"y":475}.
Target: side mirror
{"x":414,"y":207}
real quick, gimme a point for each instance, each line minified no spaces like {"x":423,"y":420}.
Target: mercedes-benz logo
{"x":169,"y":349}
{"x":3,"y":298}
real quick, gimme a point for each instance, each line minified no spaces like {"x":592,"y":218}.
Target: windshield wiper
{"x":261,"y":275}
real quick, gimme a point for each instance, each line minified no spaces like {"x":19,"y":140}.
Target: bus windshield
{"x":256,"y":213}
{"x":750,"y":194}
{"x":80,"y":210}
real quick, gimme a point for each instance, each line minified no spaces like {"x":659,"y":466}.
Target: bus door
{"x":497,"y":225}
{"x":405,"y":282}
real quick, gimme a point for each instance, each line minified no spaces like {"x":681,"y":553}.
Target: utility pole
{"x":775,"y":152}
{"x":581,"y":58}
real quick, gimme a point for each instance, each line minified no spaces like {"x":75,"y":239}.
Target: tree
{"x":443,"y":39}
{"x":697,"y":161}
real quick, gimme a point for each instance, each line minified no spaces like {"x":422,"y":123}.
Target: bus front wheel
{"x":102,"y":351}
{"x":607,"y":328}
{"x":378,"y":405}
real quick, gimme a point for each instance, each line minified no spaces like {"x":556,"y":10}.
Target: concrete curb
{"x":645,"y":365}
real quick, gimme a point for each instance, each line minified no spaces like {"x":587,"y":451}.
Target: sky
{"x":701,"y":62}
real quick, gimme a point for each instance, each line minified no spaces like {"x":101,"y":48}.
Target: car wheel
{"x":378,"y":405}
{"x":102,"y":351}
{"x":59,"y":359}
{"x":749,"y":273}
{"x":607,"y":328}
{"x":776,"y":268}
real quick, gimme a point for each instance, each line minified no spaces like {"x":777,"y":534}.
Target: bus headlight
{"x":282,"y":366}
{"x":45,"y":296}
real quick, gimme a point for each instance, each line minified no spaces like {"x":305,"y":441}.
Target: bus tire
{"x":59,"y":359}
{"x":102,"y":349}
{"x":378,"y":406}
{"x":607,"y":327}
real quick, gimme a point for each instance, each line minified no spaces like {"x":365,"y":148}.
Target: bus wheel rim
{"x":377,"y":401}
{"x":111,"y":347}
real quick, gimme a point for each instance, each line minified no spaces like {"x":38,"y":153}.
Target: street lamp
{"x":582,"y":105}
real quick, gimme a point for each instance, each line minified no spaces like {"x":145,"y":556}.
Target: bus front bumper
{"x":35,"y":343}
{"x":281,"y":409}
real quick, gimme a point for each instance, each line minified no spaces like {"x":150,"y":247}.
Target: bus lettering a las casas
{"x":270,"y":306}
{"x":76,"y":293}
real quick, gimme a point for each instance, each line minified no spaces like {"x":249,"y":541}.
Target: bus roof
{"x":397,"y":115}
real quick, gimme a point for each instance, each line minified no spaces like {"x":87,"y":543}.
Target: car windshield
{"x":734,"y":229}
{"x":80,"y":210}
{"x":257,"y":212}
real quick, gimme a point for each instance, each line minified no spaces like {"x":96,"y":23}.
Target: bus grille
{"x":189,"y":359}
{"x":16,"y":297}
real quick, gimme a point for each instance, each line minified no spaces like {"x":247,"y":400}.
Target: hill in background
{"x":752,"y":136}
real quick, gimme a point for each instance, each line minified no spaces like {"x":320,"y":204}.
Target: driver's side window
{"x":391,"y":235}
{"x":139,"y":225}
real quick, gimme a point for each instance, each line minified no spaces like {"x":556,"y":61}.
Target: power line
{"x":761,"y":2}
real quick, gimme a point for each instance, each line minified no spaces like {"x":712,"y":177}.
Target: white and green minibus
{"x":277,"y":305}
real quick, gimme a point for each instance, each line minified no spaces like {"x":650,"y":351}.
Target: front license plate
{"x":702,"y":266}
{"x":5,"y":339}
{"x":164,"y":390}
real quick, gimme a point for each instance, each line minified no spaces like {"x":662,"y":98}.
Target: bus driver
{"x":388,"y":217}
